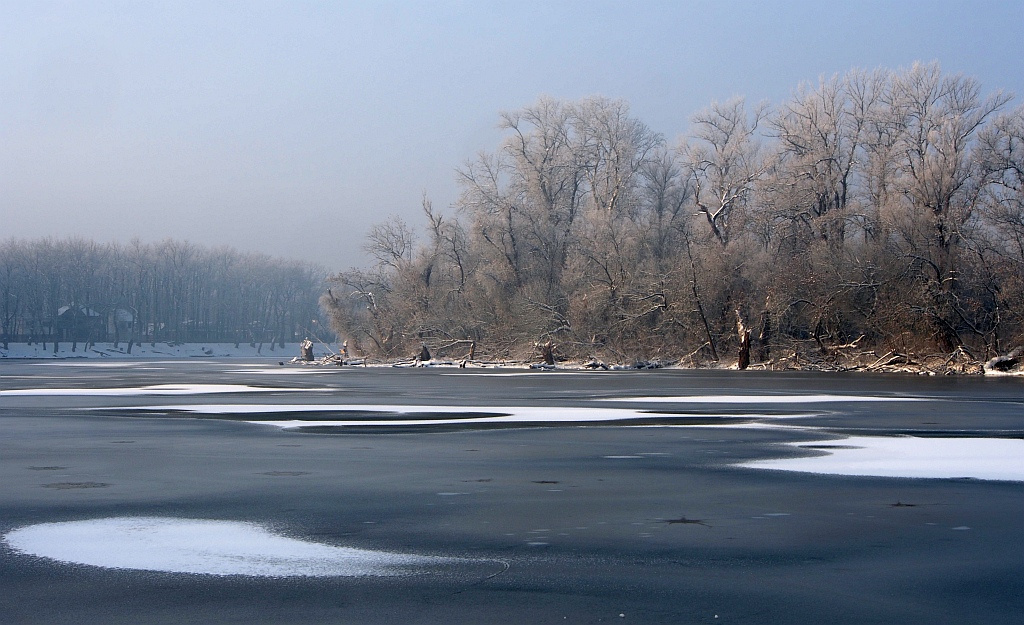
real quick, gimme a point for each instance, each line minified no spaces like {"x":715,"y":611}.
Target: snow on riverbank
{"x":152,"y":350}
{"x":143,"y":351}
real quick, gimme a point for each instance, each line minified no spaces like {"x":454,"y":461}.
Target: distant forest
{"x":80,"y":291}
{"x":872,"y":215}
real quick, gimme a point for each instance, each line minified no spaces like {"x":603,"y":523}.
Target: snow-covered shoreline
{"x":291,"y":351}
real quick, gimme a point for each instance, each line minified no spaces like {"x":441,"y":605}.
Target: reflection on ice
{"x":979,"y":458}
{"x":203,"y":546}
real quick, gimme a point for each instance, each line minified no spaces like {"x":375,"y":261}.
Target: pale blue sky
{"x":256,"y":124}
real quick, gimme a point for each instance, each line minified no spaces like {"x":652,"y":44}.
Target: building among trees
{"x":82,"y":291}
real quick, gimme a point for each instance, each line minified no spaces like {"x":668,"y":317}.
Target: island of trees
{"x":872,"y":216}
{"x":80,"y":292}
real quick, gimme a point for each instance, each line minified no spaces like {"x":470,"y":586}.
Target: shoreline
{"x":288,"y":353}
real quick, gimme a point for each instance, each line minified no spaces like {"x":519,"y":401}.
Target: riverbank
{"x":957,"y":363}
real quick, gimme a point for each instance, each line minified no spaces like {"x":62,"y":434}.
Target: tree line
{"x":81,"y":291}
{"x":876,"y":211}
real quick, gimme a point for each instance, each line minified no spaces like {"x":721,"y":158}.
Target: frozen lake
{"x":212,"y":490}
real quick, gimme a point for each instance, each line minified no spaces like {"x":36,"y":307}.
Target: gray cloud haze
{"x":291,"y":127}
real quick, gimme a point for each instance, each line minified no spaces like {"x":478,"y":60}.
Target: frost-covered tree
{"x":872,"y":211}
{"x":724,"y":160}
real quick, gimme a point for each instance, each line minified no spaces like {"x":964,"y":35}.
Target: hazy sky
{"x":291,"y":127}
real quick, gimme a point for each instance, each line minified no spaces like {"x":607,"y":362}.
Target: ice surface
{"x":536,"y":373}
{"x":202,"y":546}
{"x":447,"y":415}
{"x":763,"y":399}
{"x":158,"y":389}
{"x":905,"y":456}
{"x":278,"y":370}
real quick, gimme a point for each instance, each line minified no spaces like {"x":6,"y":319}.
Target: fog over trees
{"x":875,"y":211}
{"x":80,"y":291}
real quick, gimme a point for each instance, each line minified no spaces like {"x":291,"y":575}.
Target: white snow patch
{"x":518,"y":414}
{"x":762,"y":399}
{"x":202,"y":546}
{"x":287,"y":371}
{"x":538,"y":373}
{"x":123,"y":364}
{"x":979,"y":458}
{"x":996,"y":374}
{"x":157,"y":389}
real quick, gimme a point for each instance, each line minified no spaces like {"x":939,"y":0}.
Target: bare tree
{"x":821,"y":134}
{"x":391,"y":243}
{"x":882,"y":209}
{"x":941,"y":182}
{"x":724,"y":160}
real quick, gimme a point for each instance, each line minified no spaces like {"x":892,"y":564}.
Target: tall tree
{"x":724,"y":160}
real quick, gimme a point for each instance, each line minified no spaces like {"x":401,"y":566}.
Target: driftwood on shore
{"x":796,"y":356}
{"x":1008,"y":364}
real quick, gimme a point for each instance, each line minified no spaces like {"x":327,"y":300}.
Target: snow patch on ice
{"x":157,"y":389}
{"x":392,"y":415}
{"x":203,"y":546}
{"x":905,"y":456}
{"x":288,"y":371}
{"x":762,"y":399}
{"x":536,"y":373}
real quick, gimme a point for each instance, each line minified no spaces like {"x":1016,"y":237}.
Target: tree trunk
{"x":700,"y":306}
{"x":743,"y":360}
{"x":765,"y":338}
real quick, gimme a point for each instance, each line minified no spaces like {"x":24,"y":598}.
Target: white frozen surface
{"x":278,"y":370}
{"x":762,"y":399}
{"x":503,"y":414}
{"x":157,"y":389}
{"x":202,"y":546}
{"x":536,"y":373}
{"x":979,"y":458}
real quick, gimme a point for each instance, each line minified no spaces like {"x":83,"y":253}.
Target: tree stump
{"x":547,"y":352}
{"x":306,"y":350}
